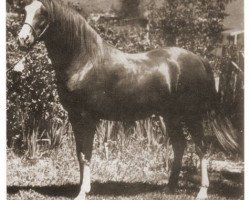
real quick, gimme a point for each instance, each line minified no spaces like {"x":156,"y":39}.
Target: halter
{"x":37,"y":37}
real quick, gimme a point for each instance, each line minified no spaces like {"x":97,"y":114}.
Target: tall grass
{"x":33,"y":150}
{"x":55,"y":133}
{"x":43,"y":136}
{"x":112,"y":140}
{"x":38,"y":137}
{"x":116,"y":138}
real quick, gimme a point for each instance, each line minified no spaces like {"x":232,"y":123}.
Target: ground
{"x":135,"y":172}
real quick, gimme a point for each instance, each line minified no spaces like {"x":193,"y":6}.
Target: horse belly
{"x":140,"y":101}
{"x":133,"y":105}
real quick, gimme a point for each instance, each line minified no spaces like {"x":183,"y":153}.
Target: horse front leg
{"x":84,"y":129}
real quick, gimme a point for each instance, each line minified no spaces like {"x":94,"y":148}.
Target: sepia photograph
{"x":125,"y":99}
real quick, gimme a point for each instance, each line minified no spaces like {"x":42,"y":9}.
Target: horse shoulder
{"x":78,"y":75}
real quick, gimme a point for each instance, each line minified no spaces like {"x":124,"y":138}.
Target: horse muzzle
{"x":25,"y":39}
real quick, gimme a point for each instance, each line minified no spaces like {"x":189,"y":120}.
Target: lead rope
{"x":16,"y":63}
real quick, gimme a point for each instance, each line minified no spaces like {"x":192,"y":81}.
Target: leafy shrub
{"x":193,"y":24}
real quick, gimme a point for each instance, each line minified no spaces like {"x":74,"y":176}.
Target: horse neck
{"x":66,"y":43}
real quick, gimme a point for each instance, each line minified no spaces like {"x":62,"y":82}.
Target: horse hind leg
{"x":195,"y":126}
{"x":178,"y":141}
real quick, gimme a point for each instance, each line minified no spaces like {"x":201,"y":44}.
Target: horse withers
{"x":97,"y":81}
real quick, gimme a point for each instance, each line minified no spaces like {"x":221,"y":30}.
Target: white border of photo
{"x":3,"y":99}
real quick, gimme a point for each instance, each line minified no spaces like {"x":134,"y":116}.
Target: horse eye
{"x":46,"y":14}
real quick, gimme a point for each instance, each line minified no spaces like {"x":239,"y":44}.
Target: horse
{"x":97,"y":81}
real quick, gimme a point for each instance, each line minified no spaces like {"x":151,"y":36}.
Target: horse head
{"x":35,"y":24}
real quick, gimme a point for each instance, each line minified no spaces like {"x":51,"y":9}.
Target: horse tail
{"x":224,"y":131}
{"x":219,"y":124}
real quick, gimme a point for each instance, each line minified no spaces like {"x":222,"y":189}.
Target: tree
{"x":191,"y":24}
{"x":130,"y":8}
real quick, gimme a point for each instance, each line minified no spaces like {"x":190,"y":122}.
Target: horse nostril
{"x":26,"y":40}
{"x":23,"y":44}
{"x":20,"y":41}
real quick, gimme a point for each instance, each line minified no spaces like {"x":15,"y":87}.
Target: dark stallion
{"x":97,"y":81}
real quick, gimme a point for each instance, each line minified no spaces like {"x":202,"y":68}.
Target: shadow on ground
{"x":112,"y":188}
{"x":107,"y":188}
{"x":225,"y":190}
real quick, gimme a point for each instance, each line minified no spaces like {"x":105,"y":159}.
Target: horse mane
{"x":77,"y":32}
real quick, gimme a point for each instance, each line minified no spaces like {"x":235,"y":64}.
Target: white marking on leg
{"x":86,"y":175}
{"x":202,"y":194}
{"x":86,"y":186}
{"x":81,"y":196}
{"x":204,"y":174}
{"x":204,"y":179}
{"x":85,"y":182}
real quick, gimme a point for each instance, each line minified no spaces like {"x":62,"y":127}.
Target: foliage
{"x":231,"y":86}
{"x":130,"y":8}
{"x":192,"y":24}
{"x":126,"y":38}
{"x":15,"y":5}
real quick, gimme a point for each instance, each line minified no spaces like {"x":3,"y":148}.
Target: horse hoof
{"x":202,"y":195}
{"x":80,"y":197}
